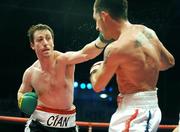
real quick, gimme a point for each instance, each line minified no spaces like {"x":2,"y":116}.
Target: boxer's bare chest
{"x":43,"y":81}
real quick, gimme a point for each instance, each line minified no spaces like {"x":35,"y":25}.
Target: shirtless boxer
{"x":136,"y":57}
{"x":52,"y":78}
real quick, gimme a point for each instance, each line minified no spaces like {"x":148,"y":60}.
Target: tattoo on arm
{"x":144,"y":38}
{"x":138,"y":43}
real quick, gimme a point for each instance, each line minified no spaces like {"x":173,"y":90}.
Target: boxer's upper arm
{"x":26,"y":83}
{"x":75,"y":57}
{"x":166,"y":58}
{"x":107,"y":69}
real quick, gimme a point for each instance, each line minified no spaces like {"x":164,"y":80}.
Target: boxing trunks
{"x":51,"y":120}
{"x":138,"y":112}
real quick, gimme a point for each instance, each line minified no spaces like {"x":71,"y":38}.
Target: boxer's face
{"x":102,"y":23}
{"x":98,"y":21}
{"x":43,"y":42}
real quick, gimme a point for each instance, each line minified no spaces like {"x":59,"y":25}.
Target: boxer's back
{"x":140,"y":69}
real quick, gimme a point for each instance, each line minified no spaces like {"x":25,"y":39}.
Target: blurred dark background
{"x":74,"y":26}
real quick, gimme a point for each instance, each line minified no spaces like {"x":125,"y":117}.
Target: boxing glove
{"x":95,"y":66}
{"x":103,"y":42}
{"x":28,"y":102}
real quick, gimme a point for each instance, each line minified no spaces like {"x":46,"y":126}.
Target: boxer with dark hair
{"x":136,"y":57}
{"x":52,"y":78}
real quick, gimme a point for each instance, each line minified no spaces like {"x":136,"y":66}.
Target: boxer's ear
{"x":104,"y":15}
{"x":32,"y":45}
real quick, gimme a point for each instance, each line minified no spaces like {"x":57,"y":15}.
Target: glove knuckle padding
{"x":95,"y":66}
{"x":28,"y":102}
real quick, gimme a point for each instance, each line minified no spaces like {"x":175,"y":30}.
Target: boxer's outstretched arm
{"x":89,"y":51}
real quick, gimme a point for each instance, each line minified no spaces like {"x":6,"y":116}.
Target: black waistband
{"x":37,"y":126}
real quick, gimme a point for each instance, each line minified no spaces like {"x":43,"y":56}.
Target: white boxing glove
{"x":95,"y":66}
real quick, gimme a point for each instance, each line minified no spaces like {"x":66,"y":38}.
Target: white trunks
{"x":53,"y":118}
{"x":138,"y":112}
